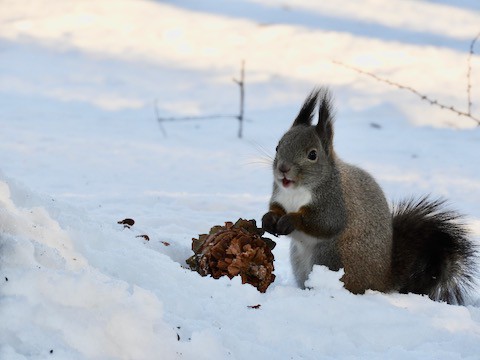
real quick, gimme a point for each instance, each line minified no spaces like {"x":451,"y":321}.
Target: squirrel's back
{"x":366,"y":244}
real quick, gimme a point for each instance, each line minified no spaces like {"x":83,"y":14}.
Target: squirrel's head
{"x":305,"y":153}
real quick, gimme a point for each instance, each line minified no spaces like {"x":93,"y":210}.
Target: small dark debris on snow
{"x":165,"y":243}
{"x":51,"y":351}
{"x":6,"y":278}
{"x":178,"y":337}
{"x":375,"y":125}
{"x":127,"y":223}
{"x":254,"y":306}
{"x":146,"y":237}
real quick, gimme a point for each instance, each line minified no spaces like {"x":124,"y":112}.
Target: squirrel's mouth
{"x":287,"y":182}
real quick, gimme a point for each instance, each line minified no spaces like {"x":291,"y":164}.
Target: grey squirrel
{"x":337,"y":215}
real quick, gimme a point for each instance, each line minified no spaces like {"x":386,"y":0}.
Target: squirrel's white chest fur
{"x":293,"y":199}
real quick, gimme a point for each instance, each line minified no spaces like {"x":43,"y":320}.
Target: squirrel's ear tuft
{"x":305,"y":115}
{"x":325,"y":121}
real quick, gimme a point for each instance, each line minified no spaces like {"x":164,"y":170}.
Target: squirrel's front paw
{"x":285,"y":225}
{"x":269,"y":222}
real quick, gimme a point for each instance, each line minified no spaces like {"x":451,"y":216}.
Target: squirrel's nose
{"x":284,"y":168}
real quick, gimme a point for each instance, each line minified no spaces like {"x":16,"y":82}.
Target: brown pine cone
{"x":235,"y":249}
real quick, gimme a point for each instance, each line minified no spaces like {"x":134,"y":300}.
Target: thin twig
{"x":239,"y":117}
{"x":158,"y":118}
{"x":424,"y":97}
{"x":241,"y":84}
{"x":469,"y":73}
{"x":206,"y":117}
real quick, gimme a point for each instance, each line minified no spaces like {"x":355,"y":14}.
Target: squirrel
{"x":337,"y":216}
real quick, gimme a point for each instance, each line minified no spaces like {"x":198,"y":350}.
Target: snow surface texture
{"x":80,"y":149}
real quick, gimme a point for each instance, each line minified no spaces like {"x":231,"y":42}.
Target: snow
{"x":80,"y":149}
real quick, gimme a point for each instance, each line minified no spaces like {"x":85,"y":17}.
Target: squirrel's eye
{"x":312,"y":155}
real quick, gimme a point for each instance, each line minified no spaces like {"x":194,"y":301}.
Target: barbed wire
{"x":425,"y":97}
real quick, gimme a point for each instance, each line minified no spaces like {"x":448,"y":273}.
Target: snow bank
{"x":52,"y":299}
{"x":80,"y":290}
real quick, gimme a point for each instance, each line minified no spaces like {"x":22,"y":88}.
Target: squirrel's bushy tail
{"x":432,"y":254}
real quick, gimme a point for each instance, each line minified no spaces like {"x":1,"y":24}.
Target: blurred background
{"x":125,"y":54}
{"x":82,"y":84}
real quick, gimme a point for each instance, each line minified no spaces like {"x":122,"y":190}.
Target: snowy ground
{"x":80,"y":149}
